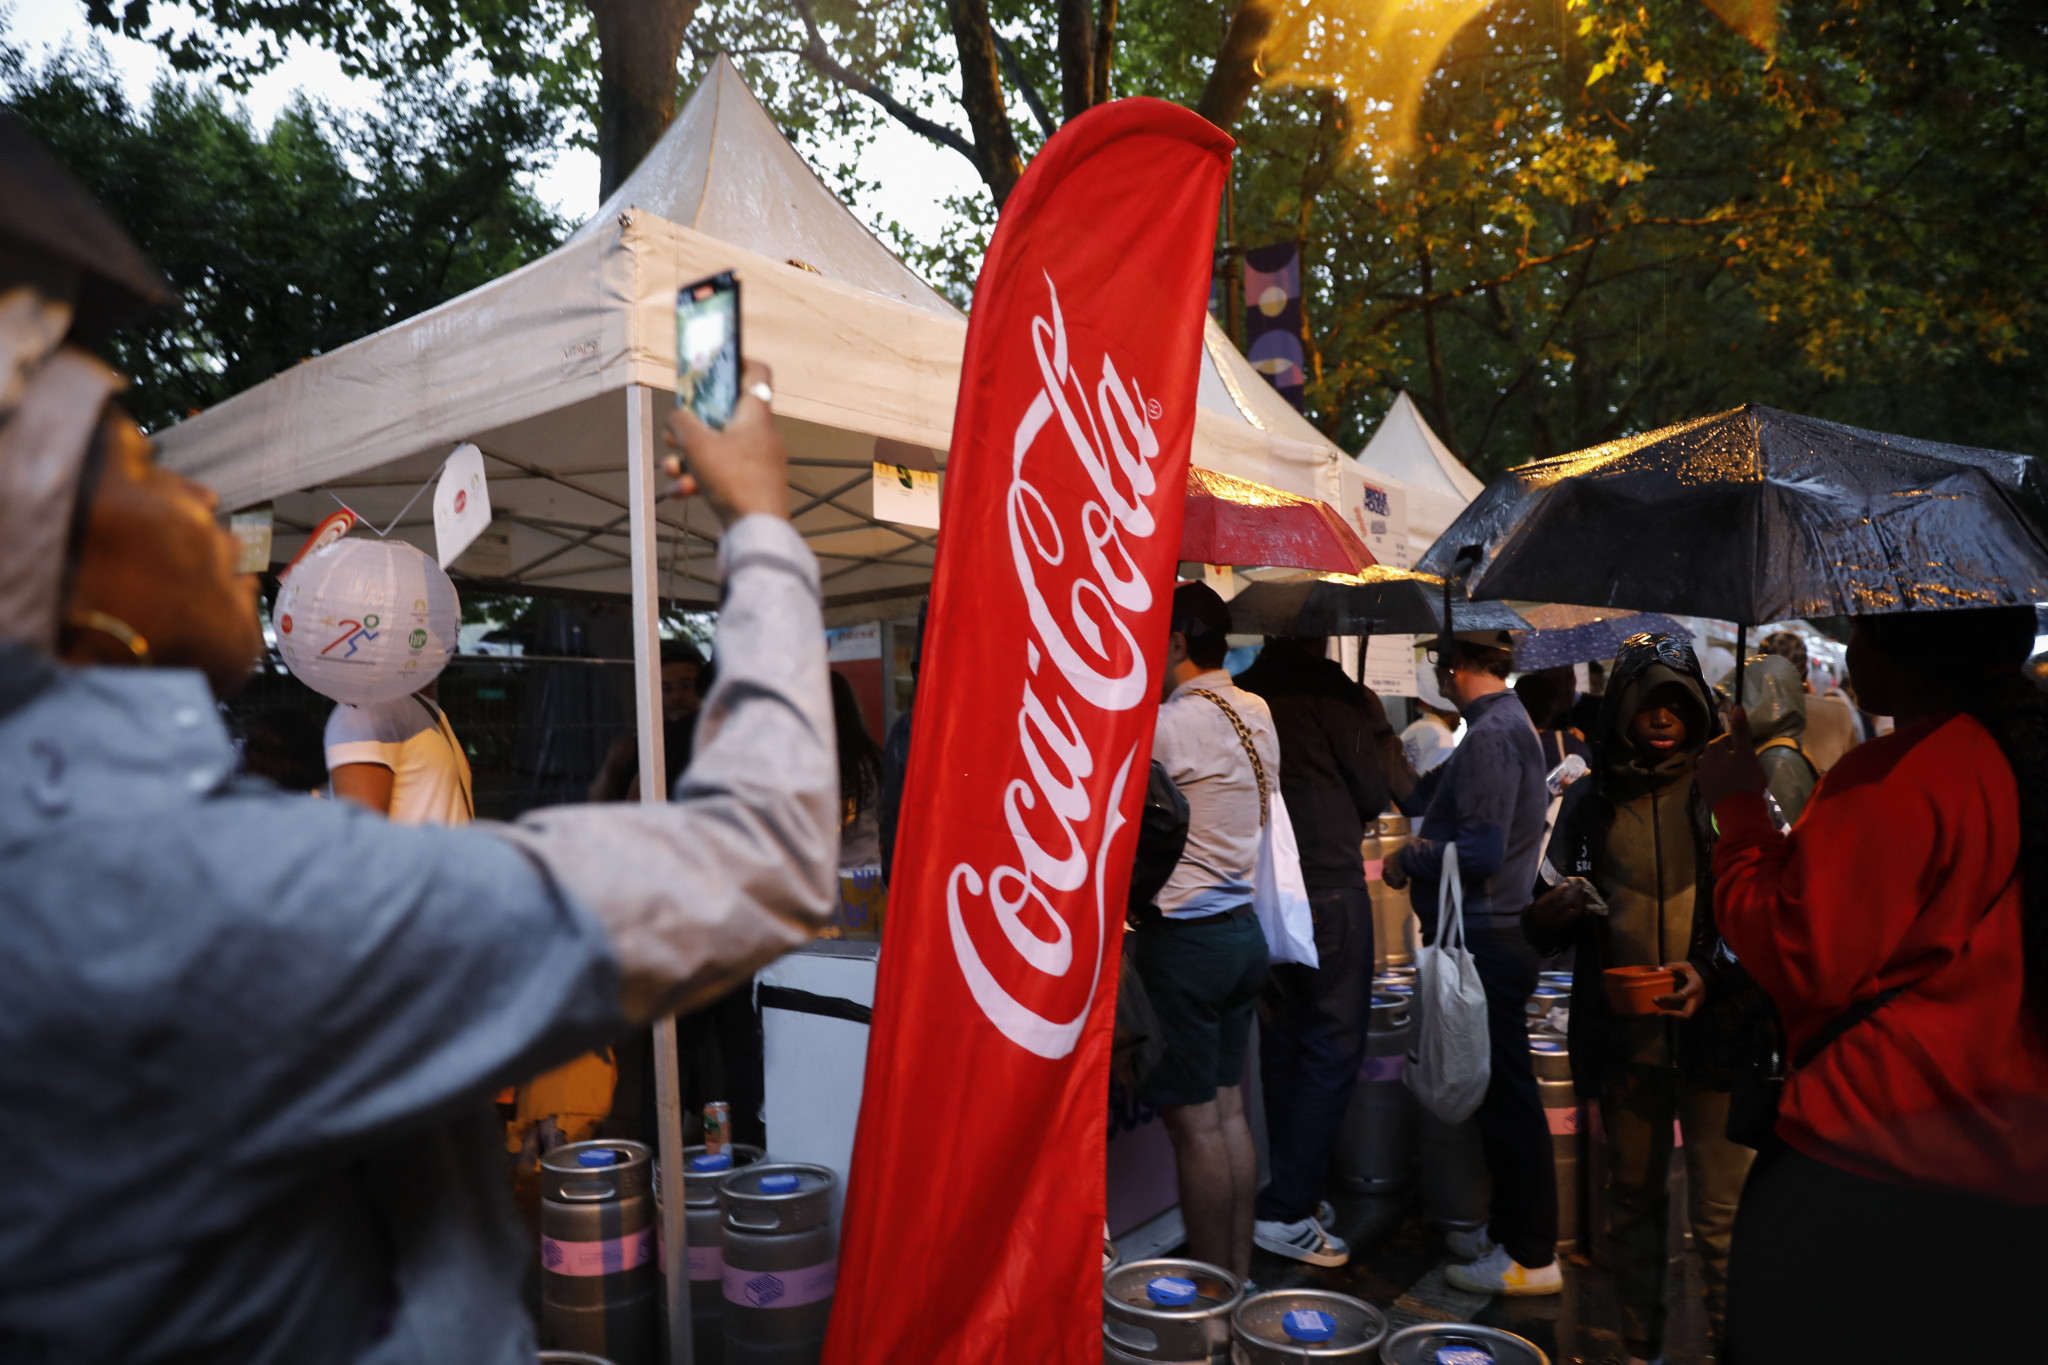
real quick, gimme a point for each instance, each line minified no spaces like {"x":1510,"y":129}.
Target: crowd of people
{"x":251,"y":1040}
{"x":1850,"y":1052}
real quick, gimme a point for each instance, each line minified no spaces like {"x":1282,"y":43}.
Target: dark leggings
{"x":1829,"y":1266}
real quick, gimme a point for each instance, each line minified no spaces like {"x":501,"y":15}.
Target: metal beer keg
{"x":1168,"y":1309}
{"x":1290,"y":1326}
{"x":704,"y":1231}
{"x":781,"y":1261}
{"x":599,"y":1281}
{"x":1561,"y":1112}
{"x":571,"y":1358}
{"x":1389,"y":907}
{"x":1376,"y":1142}
{"x":1457,"y":1190}
{"x":1458,"y":1343}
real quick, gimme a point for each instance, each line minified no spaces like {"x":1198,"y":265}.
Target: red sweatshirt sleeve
{"x":1815,"y":913}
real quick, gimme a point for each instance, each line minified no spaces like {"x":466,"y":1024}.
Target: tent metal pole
{"x":645,"y":565}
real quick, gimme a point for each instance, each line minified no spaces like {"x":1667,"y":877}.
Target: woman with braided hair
{"x":1901,"y":1213}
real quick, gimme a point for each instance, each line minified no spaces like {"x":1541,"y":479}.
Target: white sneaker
{"x":1326,"y":1214}
{"x":1498,"y":1273}
{"x":1468,"y":1244}
{"x":1302,"y":1241}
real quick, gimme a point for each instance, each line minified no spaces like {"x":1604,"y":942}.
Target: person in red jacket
{"x":1901,"y":1212}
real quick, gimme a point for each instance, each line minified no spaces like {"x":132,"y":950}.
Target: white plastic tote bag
{"x":1452,"y":1060}
{"x":1278,"y":893}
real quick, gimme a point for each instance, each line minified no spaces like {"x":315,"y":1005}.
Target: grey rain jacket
{"x":1775,"y":696}
{"x":248,"y":1040}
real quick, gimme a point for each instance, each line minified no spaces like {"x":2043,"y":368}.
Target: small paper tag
{"x":462,"y":503}
{"x":906,"y":496}
{"x":252,"y":528}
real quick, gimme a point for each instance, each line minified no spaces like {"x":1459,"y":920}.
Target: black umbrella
{"x":1379,"y":601}
{"x":54,"y":236}
{"x":1759,"y":515}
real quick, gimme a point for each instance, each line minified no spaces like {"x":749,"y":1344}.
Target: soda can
{"x":717,"y":1127}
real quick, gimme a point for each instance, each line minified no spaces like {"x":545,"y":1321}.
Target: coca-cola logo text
{"x":1082,"y":590}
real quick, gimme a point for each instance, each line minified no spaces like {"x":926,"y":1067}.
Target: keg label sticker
{"x":1563,"y":1121}
{"x":780,"y":1288}
{"x":1383,"y":1068}
{"x":1463,"y":1355}
{"x":707,"y":1263}
{"x":598,"y":1258}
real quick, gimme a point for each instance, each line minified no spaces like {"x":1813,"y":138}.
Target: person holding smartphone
{"x":250,"y":1041}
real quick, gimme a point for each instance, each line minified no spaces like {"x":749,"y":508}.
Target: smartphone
{"x":708,"y":348}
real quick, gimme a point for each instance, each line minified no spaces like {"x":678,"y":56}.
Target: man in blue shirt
{"x":250,"y":1041}
{"x":1489,"y":800}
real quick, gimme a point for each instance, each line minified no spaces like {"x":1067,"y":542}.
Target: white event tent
{"x":556,"y":370}
{"x":1406,"y":450}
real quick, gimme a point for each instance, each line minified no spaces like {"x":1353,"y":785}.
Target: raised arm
{"x":742,"y":865}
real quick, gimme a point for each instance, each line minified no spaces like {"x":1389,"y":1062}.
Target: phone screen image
{"x":708,"y":348}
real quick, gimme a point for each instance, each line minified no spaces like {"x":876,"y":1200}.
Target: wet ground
{"x":1397,"y":1264}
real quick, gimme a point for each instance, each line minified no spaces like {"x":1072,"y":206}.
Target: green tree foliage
{"x":1614,"y":213}
{"x":1620,"y":214}
{"x":288,"y":245}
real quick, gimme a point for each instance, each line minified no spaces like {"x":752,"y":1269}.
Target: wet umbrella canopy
{"x":1561,"y":635}
{"x":1236,"y":521}
{"x":1760,"y":515}
{"x":1377,"y":601}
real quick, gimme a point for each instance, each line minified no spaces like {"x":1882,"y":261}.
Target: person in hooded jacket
{"x":1638,"y":836}
{"x":1774,"y":692}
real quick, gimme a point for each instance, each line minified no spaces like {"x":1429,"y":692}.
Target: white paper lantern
{"x":365,"y":621}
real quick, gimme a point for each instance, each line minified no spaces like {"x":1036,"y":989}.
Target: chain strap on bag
{"x":1244,"y":737}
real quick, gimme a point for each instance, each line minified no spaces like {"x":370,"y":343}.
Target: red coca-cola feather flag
{"x":974,"y":1213}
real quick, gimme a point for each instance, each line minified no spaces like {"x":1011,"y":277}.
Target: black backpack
{"x":1162,"y":836}
{"x":1139,"y":1042}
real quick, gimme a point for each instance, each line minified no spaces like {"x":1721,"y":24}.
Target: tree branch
{"x":1238,"y":71}
{"x":981,"y":95}
{"x":821,"y":60}
{"x":1025,"y":88}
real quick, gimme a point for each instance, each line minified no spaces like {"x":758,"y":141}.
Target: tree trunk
{"x":981,"y":95}
{"x":1105,"y":45}
{"x":1236,"y":73}
{"x":1077,"y":59}
{"x":637,"y":44}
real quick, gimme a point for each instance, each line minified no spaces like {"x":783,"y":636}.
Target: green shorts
{"x":1203,"y":981}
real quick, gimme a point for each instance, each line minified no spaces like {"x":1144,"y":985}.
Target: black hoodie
{"x":1330,"y":729}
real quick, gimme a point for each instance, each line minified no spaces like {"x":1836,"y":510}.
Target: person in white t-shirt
{"x":1435,"y":734}
{"x":401,"y":759}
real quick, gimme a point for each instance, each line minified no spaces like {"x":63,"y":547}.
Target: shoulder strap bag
{"x":1278,"y":893}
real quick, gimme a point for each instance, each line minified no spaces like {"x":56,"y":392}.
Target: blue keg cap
{"x":1308,"y":1324}
{"x":1545,"y":1045}
{"x":713,"y":1161}
{"x":779,"y":1184}
{"x":1463,"y":1353}
{"x":1170,"y":1291}
{"x":597,"y":1156}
